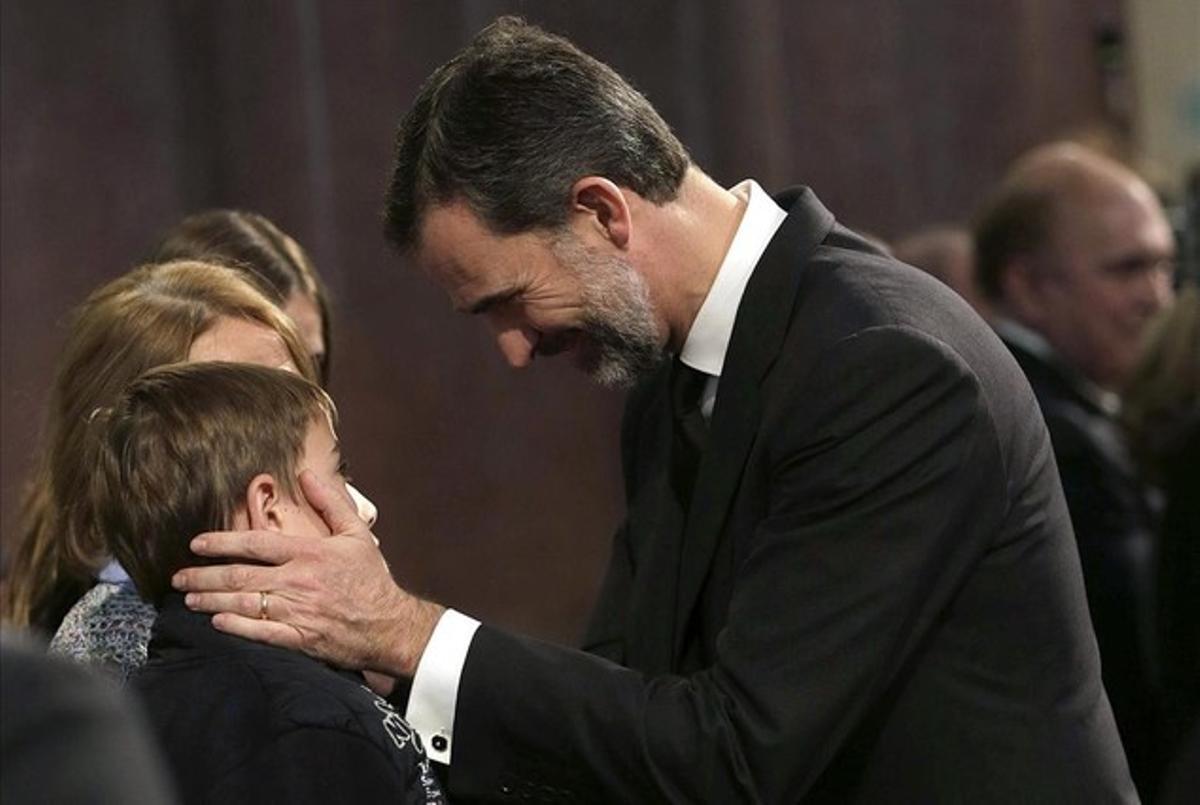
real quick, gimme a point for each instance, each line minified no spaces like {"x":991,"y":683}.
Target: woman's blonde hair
{"x":146,"y":318}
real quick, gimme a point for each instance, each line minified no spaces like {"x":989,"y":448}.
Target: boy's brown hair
{"x":177,"y":452}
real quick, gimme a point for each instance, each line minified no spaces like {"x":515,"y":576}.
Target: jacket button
{"x":439,"y":743}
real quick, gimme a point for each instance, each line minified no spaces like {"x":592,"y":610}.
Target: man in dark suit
{"x":1077,"y":255}
{"x":846,"y":573}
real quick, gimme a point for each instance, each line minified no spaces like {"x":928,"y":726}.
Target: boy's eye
{"x":344,"y":471}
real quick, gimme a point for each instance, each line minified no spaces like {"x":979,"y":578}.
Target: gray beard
{"x":622,"y":342}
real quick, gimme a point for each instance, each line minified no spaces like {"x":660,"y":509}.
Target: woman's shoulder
{"x":108,"y":627}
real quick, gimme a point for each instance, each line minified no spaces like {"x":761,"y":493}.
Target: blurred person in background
{"x":1076,"y":256}
{"x":70,"y":738}
{"x":282,"y":269}
{"x":948,"y":253}
{"x":1162,"y":413}
{"x":62,"y":580}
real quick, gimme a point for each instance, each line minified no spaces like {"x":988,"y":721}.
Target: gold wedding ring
{"x":263,"y":613}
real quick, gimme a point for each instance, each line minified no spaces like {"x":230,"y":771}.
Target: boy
{"x":196,"y":447}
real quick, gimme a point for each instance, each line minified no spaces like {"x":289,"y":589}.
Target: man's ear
{"x":603,"y":206}
{"x":264,"y":499}
{"x":1022,"y":291}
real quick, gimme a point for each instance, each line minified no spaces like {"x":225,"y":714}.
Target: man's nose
{"x":518,"y":345}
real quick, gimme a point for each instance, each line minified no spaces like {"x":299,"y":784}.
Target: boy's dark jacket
{"x":244,"y":722}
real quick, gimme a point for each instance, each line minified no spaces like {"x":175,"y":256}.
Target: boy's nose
{"x":363,"y":505}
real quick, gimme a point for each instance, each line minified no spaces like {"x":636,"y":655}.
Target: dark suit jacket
{"x":1179,"y":590}
{"x":1114,"y":528}
{"x":875,"y":597}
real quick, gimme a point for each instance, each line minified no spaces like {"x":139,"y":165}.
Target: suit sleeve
{"x":885,"y":485}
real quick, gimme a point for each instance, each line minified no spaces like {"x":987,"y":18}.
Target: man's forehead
{"x":469,"y":260}
{"x":446,"y":235}
{"x":453,"y":251}
{"x":449,"y":221}
{"x":1113,"y":218}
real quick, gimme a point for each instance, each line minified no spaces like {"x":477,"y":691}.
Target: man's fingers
{"x":333,"y":507}
{"x":249,"y":605}
{"x":261,"y":546}
{"x":224,"y":579}
{"x":277,"y":634}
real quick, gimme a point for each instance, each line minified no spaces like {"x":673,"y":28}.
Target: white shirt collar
{"x":1029,"y":340}
{"x":113,"y":573}
{"x":708,"y":339}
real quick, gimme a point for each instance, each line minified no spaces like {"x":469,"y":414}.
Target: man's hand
{"x":331,"y":597}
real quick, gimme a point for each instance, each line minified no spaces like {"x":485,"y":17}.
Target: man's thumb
{"x":337,"y":512}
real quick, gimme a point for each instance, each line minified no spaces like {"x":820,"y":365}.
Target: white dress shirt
{"x":434,"y":694}
{"x":708,"y":339}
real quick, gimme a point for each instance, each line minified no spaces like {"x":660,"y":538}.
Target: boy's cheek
{"x":315,"y":524}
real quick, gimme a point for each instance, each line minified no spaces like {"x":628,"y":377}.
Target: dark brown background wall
{"x":499,"y":490}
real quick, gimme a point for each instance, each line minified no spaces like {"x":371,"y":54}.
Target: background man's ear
{"x":264,"y":498}
{"x":1022,"y":291}
{"x":602,"y":206}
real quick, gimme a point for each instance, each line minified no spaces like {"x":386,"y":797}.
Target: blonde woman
{"x":154,"y":315}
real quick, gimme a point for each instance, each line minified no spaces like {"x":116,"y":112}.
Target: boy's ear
{"x":263,"y":503}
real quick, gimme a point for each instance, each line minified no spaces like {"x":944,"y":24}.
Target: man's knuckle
{"x":306,"y":580}
{"x":238,"y":577}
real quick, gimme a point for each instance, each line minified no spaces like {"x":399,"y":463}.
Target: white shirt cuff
{"x":434,"y":691}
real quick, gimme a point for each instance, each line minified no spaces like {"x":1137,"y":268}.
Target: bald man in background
{"x":1076,"y":256}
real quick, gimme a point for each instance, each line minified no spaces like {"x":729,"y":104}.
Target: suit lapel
{"x":759,"y":329}
{"x":655,"y":522}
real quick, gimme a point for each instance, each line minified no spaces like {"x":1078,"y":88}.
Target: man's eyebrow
{"x":1140,"y":260}
{"x":492,"y":300}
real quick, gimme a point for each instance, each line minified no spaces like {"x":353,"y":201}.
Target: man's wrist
{"x":410,"y":631}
